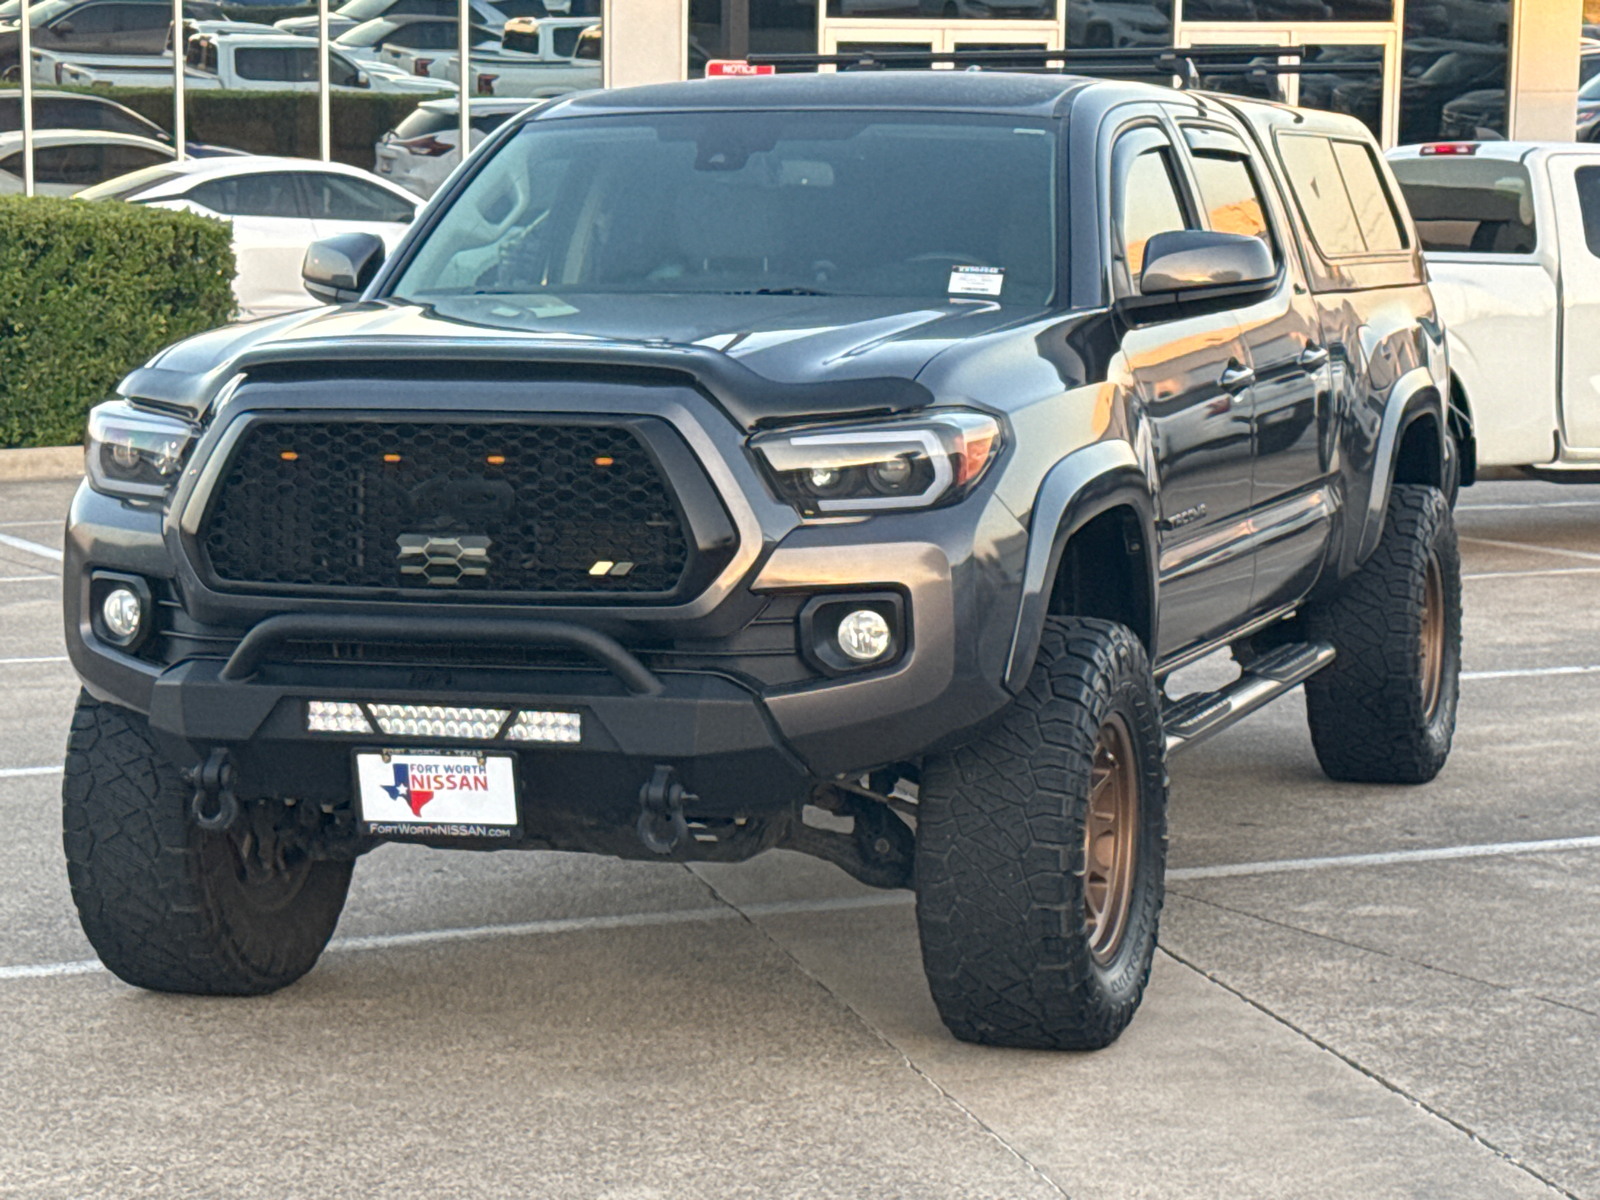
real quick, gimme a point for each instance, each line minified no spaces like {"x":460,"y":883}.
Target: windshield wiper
{"x":783,"y":291}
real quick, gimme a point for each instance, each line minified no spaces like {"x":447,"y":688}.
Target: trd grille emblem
{"x":443,"y":560}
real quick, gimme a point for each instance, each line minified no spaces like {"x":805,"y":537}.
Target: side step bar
{"x":1194,"y":718}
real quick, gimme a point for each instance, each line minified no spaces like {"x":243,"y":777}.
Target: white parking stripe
{"x":1529,"y":672}
{"x":1584,"y":554}
{"x":28,"y":578}
{"x":28,"y":547}
{"x":1392,"y":858}
{"x":17,"y":662}
{"x":21,"y":772}
{"x":1533,"y":574}
{"x":24,"y":524}
{"x":689,"y":916}
{"x":1529,"y":504}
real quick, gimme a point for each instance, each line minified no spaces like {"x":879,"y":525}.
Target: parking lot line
{"x":1389,"y":858}
{"x":1533,"y":574}
{"x":17,"y":662}
{"x":27,"y":578}
{"x":20,"y":772}
{"x":1529,"y":672}
{"x":25,"y":524}
{"x":1528,"y":504}
{"x":28,"y":547}
{"x":1481,"y":541}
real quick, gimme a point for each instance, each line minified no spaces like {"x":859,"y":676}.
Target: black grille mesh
{"x":327,"y":504}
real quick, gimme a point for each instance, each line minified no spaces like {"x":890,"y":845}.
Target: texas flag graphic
{"x":402,"y":790}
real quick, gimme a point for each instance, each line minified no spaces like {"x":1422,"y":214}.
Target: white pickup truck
{"x":277,"y":62}
{"x":1511,"y":233}
{"x":536,"y":56}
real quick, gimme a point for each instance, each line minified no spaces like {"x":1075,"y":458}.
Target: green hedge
{"x":275,"y":122}
{"x":87,"y":293}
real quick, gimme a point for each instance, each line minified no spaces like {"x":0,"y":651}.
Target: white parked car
{"x":278,"y":207}
{"x":387,"y":39}
{"x":1511,"y":233}
{"x":421,"y":151}
{"x":66,"y":161}
{"x":279,"y":62}
{"x":346,"y":17}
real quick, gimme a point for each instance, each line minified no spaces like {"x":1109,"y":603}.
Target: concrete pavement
{"x":547,"y":1025}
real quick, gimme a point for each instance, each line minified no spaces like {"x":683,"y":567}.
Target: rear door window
{"x":1341,"y":194}
{"x":1588,"y":179}
{"x":340,"y":198}
{"x":1469,"y":205}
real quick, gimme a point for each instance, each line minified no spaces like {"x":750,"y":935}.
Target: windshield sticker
{"x":976,"y":281}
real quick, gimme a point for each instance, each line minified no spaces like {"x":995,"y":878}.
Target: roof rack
{"x":1185,"y":63}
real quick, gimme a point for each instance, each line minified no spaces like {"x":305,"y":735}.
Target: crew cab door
{"x":1192,"y":372}
{"x":1290,"y":400}
{"x":270,"y":234}
{"x":1575,"y":194}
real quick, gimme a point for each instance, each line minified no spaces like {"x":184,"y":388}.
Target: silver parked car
{"x":421,"y":151}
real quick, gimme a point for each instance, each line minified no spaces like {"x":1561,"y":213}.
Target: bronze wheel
{"x":1111,"y":838}
{"x":1433,"y":637}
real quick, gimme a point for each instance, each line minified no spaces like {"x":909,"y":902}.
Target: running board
{"x":1194,"y":718}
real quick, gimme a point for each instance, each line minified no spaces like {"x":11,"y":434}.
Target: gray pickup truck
{"x":840,"y":462}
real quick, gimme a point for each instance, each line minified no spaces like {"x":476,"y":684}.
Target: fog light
{"x":123,"y":613}
{"x":531,"y":726}
{"x":864,"y":635}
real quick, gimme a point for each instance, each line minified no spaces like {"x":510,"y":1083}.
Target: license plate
{"x":436,"y":794}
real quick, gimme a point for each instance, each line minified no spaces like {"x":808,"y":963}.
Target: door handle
{"x":1235,"y":378}
{"x":1313,"y":357}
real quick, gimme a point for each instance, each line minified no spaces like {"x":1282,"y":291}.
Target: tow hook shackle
{"x":213,"y":785}
{"x":662,"y":826}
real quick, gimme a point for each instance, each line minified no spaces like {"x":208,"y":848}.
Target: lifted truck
{"x":707,"y":454}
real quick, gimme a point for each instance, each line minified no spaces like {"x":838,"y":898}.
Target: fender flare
{"x":1415,"y":394}
{"x":1077,"y":489}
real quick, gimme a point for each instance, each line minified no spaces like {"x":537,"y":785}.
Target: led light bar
{"x":532,"y":726}
{"x":336,"y":716}
{"x":431,"y":720}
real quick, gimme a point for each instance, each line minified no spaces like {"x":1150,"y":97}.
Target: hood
{"x":765,"y":359}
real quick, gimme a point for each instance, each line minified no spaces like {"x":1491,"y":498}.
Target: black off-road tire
{"x":1374,"y":716}
{"x":165,"y":905}
{"x":1003,"y":895}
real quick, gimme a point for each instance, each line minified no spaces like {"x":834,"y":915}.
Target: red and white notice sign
{"x":724,"y":68}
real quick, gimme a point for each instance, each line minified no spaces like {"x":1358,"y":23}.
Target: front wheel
{"x":167,"y":906}
{"x":1385,"y":710}
{"x":1041,"y":851}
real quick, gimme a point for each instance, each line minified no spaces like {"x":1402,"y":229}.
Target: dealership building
{"x":1413,"y":70}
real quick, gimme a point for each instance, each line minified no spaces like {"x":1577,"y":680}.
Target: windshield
{"x":38,"y":13}
{"x":131,"y":184}
{"x":1465,"y":205}
{"x":365,"y":10}
{"x":368,"y":33}
{"x":925,"y":206}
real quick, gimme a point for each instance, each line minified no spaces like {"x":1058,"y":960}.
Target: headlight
{"x":936,"y":459}
{"x":135,"y":453}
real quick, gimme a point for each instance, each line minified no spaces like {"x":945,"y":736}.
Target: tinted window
{"x":424,"y":121}
{"x":523,"y":41}
{"x":1318,"y":187}
{"x":266,"y":194}
{"x":739,"y":203}
{"x":589,"y":45}
{"x":61,"y":112}
{"x":142,"y":18}
{"x":489,"y":122}
{"x":564,"y":40}
{"x":265,"y":62}
{"x":94,"y":18}
{"x":340,"y":198}
{"x":120,"y":160}
{"x":522,"y":8}
{"x":1229,"y":192}
{"x":1150,"y":205}
{"x":1589,"y":201}
{"x":1369,"y":197}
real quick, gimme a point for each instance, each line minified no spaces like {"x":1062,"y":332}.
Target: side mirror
{"x":64,"y":28}
{"x":337,"y":269}
{"x":1195,"y":260}
{"x":362,"y":80}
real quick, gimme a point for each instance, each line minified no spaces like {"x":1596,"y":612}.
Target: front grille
{"x":446,"y":508}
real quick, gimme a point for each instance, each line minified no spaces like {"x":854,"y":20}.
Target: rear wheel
{"x":1385,"y":710}
{"x":172,"y":908}
{"x":1041,"y":851}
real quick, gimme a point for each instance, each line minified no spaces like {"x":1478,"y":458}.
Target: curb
{"x":41,"y":463}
